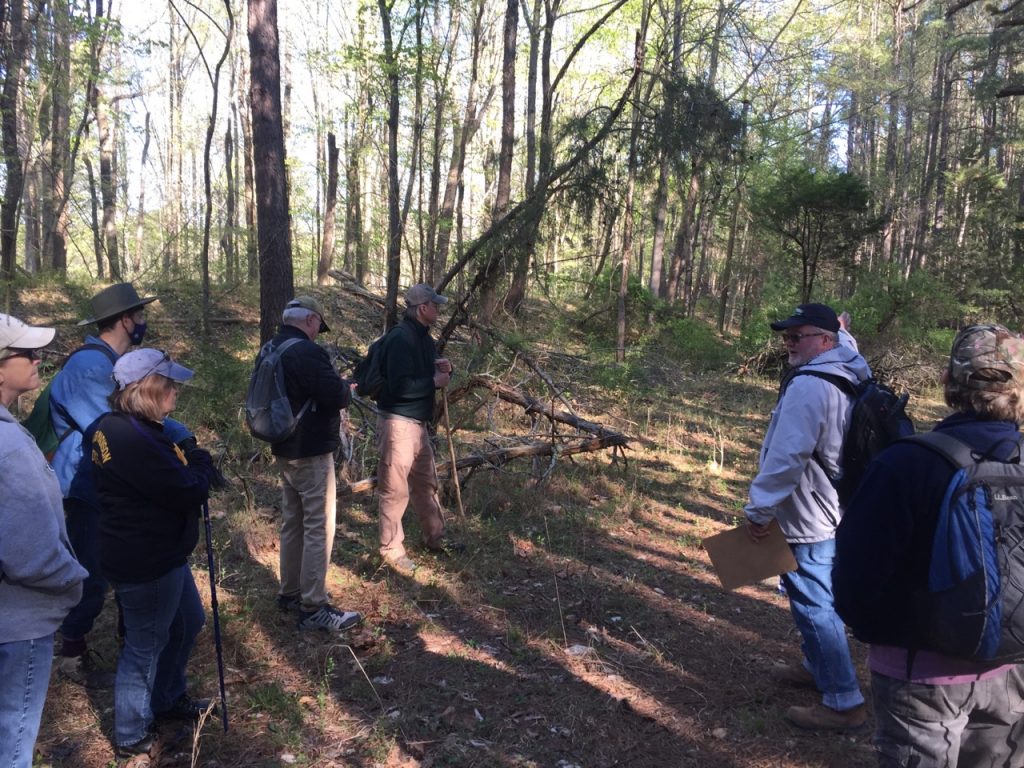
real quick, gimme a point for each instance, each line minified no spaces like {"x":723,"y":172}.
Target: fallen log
{"x":528,"y":404}
{"x":500,"y":456}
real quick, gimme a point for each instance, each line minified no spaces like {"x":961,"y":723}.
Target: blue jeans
{"x":826,"y":650}
{"x":161,"y":620}
{"x":24,"y":676}
{"x":83,"y":523}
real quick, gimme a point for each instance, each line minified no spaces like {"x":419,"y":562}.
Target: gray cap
{"x":421,"y":293}
{"x":138,"y":364}
{"x":308,"y":302}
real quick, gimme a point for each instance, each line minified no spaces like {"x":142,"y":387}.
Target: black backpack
{"x":877,"y":420}
{"x":369,"y":372}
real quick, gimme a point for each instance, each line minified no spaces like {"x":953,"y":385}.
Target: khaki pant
{"x":308,"y":506}
{"x":406,"y":472}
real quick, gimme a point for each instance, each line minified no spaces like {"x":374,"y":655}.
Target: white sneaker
{"x":329,"y":618}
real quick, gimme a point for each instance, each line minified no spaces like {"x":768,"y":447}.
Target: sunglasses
{"x":796,"y":338}
{"x":31,"y":355}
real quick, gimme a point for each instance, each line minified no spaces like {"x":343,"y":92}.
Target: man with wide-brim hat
{"x":116,"y":301}
{"x":79,"y":394}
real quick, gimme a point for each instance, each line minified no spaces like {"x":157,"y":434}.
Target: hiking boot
{"x":83,"y":671}
{"x":795,"y":675}
{"x":818,"y":717}
{"x":445,"y":547}
{"x":140,"y":747}
{"x":328,"y":618}
{"x":186,"y":709}
{"x":289,"y":603}
{"x":403,"y":566}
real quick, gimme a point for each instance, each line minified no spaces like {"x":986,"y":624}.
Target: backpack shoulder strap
{"x":55,"y":404}
{"x":91,"y":345}
{"x":954,"y":451}
{"x":841,"y":383}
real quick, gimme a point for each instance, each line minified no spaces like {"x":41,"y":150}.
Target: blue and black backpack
{"x":974,"y":604}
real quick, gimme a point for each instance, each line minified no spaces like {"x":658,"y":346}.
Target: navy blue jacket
{"x":883,"y":544}
{"x":309,"y":375}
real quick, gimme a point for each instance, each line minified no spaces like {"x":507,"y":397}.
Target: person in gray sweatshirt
{"x":40,"y":579}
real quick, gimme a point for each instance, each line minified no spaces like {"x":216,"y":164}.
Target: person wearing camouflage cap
{"x":932,"y":709}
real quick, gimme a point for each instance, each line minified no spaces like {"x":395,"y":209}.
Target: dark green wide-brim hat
{"x":115,"y":300}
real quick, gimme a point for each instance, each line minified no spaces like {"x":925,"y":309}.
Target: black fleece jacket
{"x":409,"y":355}
{"x":309,"y":375}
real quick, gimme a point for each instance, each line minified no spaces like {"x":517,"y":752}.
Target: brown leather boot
{"x":818,"y":717}
{"x":795,"y":675}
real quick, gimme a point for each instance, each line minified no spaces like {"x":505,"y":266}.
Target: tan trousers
{"x":406,"y":472}
{"x":308,"y":506}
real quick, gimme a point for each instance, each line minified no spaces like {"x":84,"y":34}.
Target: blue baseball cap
{"x":139,"y":363}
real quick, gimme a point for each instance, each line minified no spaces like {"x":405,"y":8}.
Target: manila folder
{"x":740,"y":561}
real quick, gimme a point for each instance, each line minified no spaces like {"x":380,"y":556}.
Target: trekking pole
{"x":216,"y":615}
{"x":451,"y":455}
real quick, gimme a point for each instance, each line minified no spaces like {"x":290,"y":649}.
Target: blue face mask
{"x":137,"y":334}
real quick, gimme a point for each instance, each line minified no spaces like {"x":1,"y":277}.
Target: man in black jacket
{"x":306,"y":462}
{"x":406,"y":472}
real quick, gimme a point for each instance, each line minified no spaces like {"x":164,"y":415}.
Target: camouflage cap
{"x":993,"y":349}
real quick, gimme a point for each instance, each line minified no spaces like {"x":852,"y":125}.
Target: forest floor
{"x":582,"y":627}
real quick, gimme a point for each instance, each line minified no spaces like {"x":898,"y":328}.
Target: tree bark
{"x":272,"y":212}
{"x":330,"y":207}
{"x":394,"y":242}
{"x":14,"y":60}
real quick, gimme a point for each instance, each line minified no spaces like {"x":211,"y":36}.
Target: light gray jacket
{"x":811,"y":417}
{"x":40,"y":579}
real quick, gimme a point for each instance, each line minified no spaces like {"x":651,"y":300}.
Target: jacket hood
{"x":840,"y":361}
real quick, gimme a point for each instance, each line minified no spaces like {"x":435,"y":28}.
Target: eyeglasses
{"x":796,"y":338}
{"x":32,"y":355}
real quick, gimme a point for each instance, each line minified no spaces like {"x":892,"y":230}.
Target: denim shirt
{"x":81,"y":390}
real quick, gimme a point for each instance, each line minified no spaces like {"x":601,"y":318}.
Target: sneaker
{"x":83,"y":671}
{"x":403,"y":566}
{"x":821,"y":718}
{"x":328,"y":618}
{"x":795,"y":675}
{"x":289,"y":603}
{"x":185,"y":708}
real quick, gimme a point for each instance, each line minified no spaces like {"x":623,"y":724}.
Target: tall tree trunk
{"x":394,"y":244}
{"x":272,"y":213}
{"x":94,"y":208}
{"x":627,"y":213}
{"x":140,"y":221}
{"x":227,"y":239}
{"x":503,"y":193}
{"x":330,"y":206}
{"x":14,"y":59}
{"x":55,"y":217}
{"x":252,"y":259}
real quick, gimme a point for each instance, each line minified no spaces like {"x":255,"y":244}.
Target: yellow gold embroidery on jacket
{"x":100,"y":449}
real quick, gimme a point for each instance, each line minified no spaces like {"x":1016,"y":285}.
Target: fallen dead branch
{"x":500,"y":456}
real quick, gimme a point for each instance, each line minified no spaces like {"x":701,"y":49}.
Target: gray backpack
{"x":268,"y":412}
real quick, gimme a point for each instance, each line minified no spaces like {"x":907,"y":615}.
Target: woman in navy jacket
{"x":151,"y":492}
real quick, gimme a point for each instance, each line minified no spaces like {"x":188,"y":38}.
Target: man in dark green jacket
{"x":406,"y":472}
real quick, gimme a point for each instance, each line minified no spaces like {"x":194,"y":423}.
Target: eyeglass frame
{"x":796,"y":338}
{"x":32,"y":355}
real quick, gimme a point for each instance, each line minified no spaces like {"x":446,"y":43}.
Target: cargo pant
{"x":406,"y":473}
{"x":308,"y":507}
{"x":962,"y":725}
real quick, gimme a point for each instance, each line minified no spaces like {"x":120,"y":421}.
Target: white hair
{"x":296,"y":315}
